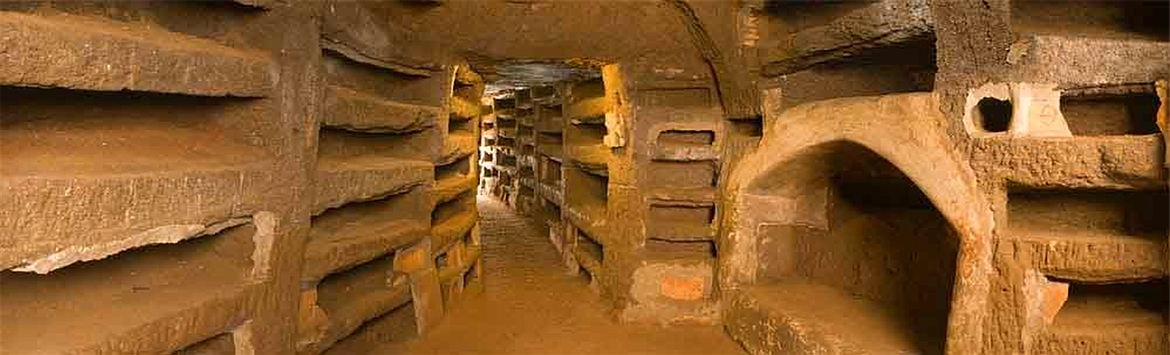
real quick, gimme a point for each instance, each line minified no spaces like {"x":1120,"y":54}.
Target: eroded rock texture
{"x":863,"y":176}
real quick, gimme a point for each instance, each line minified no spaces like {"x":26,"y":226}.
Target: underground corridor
{"x":757,"y":177}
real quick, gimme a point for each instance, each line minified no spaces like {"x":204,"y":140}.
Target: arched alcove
{"x":853,"y":240}
{"x":876,"y":271}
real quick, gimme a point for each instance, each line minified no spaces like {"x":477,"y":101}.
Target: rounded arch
{"x":787,"y":182}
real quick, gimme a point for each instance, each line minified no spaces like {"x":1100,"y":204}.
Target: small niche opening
{"x":507,"y":160}
{"x":1109,"y":305}
{"x":1111,"y":115}
{"x":680,"y":222}
{"x":687,"y":138}
{"x":506,"y":142}
{"x":697,"y":174}
{"x":459,"y":168}
{"x":460,"y":126}
{"x":750,"y":127}
{"x":993,"y":115}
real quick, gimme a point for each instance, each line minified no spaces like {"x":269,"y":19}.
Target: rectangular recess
{"x":208,"y":276}
{"x":355,"y":233}
{"x":680,"y":222}
{"x":339,"y":144}
{"x":686,"y":138}
{"x":1127,"y":318}
{"x":461,"y":126}
{"x":585,"y":188}
{"x":1144,"y":20}
{"x":507,"y":160}
{"x":1140,"y":214}
{"x":697,"y":174}
{"x":1111,"y":115}
{"x":459,"y":168}
{"x":553,"y":138}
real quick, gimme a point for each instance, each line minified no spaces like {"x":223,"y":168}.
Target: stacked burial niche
{"x":114,"y":238}
{"x":549,"y":143}
{"x":1066,"y":142}
{"x":1055,"y":209}
{"x":625,"y":163}
{"x":374,"y":180}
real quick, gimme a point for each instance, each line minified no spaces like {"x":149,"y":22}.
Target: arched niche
{"x":856,"y":228}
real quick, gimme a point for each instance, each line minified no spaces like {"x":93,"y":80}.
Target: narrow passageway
{"x":532,"y":306}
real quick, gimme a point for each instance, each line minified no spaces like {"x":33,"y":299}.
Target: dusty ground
{"x":531,"y":306}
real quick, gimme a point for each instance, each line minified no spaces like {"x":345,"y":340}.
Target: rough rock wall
{"x":1049,"y":110}
{"x":180,"y":176}
{"x":622,"y":165}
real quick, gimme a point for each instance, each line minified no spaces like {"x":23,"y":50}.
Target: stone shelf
{"x":594,"y":158}
{"x":552,"y":151}
{"x":450,"y":188}
{"x":470,"y":257}
{"x":356,"y":233}
{"x":342,"y":180}
{"x":1091,"y":256}
{"x":506,"y":132}
{"x":451,"y":221}
{"x":128,"y":184}
{"x":816,"y":318}
{"x":86,"y":53}
{"x":1103,"y":321}
{"x":589,"y":253}
{"x":681,"y":221}
{"x":881,"y":24}
{"x":154,"y":299}
{"x":356,"y":111}
{"x":1076,"y":62}
{"x":592,"y":220}
{"x":458,"y":145}
{"x":1107,"y":162}
{"x":354,"y":297}
{"x":588,"y":107}
{"x":463,"y":109}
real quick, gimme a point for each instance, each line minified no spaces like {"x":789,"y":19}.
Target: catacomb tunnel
{"x":584,"y":177}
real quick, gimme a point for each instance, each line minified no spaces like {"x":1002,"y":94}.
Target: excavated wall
{"x":263,"y":176}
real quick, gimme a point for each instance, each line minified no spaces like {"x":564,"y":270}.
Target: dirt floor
{"x":532,"y":306}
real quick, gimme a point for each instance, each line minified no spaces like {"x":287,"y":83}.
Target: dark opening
{"x":995,"y":115}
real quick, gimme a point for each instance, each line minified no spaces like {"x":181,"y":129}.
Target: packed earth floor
{"x":531,"y":305}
